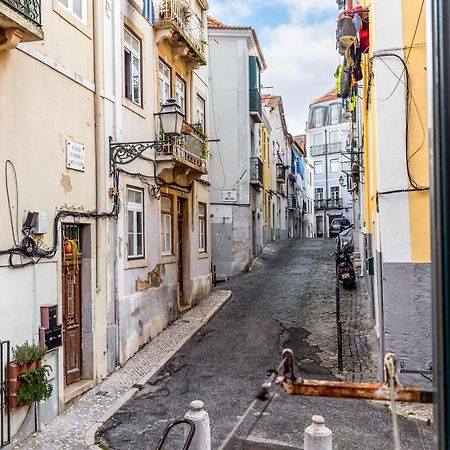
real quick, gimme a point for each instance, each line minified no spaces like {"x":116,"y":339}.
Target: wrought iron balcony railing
{"x":256,"y":171}
{"x":293,"y":202}
{"x":31,"y":9}
{"x":321,"y":149}
{"x":281,"y":173}
{"x":329,"y":203}
{"x":256,"y":104}
{"x":179,"y":14}
{"x":179,"y":153}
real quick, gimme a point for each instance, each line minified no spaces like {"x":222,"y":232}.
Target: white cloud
{"x":300,"y":54}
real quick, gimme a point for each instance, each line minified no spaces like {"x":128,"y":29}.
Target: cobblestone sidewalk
{"x":76,"y":426}
{"x":359,"y":358}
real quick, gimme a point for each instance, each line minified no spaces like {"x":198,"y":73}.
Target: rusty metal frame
{"x":283,"y":376}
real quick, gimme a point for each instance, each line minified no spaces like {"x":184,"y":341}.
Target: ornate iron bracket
{"x":126,"y":152}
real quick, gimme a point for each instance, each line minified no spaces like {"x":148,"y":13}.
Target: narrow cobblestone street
{"x":287,"y":300}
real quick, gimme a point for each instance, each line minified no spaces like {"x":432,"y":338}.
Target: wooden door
{"x":71,"y":283}
{"x":180,"y":247}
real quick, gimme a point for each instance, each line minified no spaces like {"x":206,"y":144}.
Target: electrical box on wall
{"x":37,"y":222}
{"x":42,"y":223}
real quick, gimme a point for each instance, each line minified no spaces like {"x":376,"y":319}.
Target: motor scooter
{"x":344,"y":264}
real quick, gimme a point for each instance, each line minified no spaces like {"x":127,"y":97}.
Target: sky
{"x":298,"y":41}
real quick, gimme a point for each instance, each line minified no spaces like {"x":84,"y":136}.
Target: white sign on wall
{"x":76,"y":156}
{"x":229,"y":196}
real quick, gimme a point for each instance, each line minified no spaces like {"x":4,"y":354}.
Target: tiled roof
{"x":272,"y":101}
{"x":214,"y":24}
{"x":300,"y":141}
{"x":327,"y":97}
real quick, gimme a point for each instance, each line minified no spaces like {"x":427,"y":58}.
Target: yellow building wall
{"x":418,"y":148}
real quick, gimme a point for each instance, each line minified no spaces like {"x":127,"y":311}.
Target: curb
{"x":89,"y":436}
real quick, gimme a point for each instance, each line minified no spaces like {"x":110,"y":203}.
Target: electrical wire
{"x":14,"y":230}
{"x":408,"y":97}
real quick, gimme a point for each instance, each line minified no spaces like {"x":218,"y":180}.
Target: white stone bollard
{"x":202,"y":436}
{"x":318,"y":436}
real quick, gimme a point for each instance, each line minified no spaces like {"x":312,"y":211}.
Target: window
{"x":334,"y":191}
{"x":318,"y":117}
{"x":202,"y":227}
{"x":201,"y":112}
{"x":77,"y":8}
{"x":132,"y":66}
{"x":335,"y":114}
{"x":318,"y":192}
{"x":318,"y":167}
{"x":334,"y":165}
{"x":180,"y":91}
{"x":317,"y":139}
{"x":135,"y":208}
{"x":333,"y":137}
{"x":165,"y":76}
{"x":166,"y":225}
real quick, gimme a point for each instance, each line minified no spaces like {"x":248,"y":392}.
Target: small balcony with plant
{"x":178,"y":25}
{"x":20,"y":21}
{"x":183,"y":152}
{"x":256,"y":172}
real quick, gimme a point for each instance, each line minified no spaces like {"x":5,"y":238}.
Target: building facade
{"x":280,"y":163}
{"x":328,"y":137}
{"x":106,"y":217}
{"x":394,"y":195}
{"x":236,"y":167}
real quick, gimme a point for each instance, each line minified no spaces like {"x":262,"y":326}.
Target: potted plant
{"x":35,"y":386}
{"x":26,"y":357}
{"x":186,"y":128}
{"x":71,"y":248}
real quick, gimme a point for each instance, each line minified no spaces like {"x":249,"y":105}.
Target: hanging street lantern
{"x":171,"y":118}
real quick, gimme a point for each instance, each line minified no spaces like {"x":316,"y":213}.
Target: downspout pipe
{"x":99,"y":143}
{"x":440,"y":204}
{"x":99,"y":307}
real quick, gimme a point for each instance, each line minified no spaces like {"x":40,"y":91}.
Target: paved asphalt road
{"x":287,"y":300}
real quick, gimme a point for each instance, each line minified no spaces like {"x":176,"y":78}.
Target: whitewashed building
{"x":236,"y":168}
{"x":327,"y":137}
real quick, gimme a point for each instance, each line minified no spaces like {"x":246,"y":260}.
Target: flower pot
{"x":68,"y":247}
{"x":186,"y":129}
{"x":15,"y":370}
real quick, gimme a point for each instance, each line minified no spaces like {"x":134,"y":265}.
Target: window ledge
{"x":136,"y":263}
{"x":168,"y":259}
{"x":127,"y":103}
{"x":203,"y":255}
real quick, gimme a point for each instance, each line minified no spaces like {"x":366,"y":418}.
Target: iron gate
{"x":5,"y":413}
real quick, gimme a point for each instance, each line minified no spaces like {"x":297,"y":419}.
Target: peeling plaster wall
{"x":143,"y":316}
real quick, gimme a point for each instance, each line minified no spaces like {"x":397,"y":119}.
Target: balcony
{"x":293,"y":203}
{"x":256,"y":172}
{"x":331,"y":203}
{"x":318,"y":150}
{"x":20,"y":21}
{"x":185,"y":159}
{"x":281,"y":173}
{"x":334,"y":147}
{"x":256,"y":105}
{"x":178,"y":25}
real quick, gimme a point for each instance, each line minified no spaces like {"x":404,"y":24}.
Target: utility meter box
{"x":41,"y":223}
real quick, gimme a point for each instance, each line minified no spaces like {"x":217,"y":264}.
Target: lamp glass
{"x":341,"y":181}
{"x":171,"y":118}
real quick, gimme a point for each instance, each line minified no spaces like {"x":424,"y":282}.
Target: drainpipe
{"x":439,"y":56}
{"x":325,"y":221}
{"x":100,"y":162}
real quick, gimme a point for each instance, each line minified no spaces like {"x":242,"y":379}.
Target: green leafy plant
{"x":27,"y":353}
{"x":35,"y":386}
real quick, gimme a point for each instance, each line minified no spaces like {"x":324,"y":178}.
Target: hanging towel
{"x":149,"y":11}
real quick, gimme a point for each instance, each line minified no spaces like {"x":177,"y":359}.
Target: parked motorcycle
{"x":344,"y":264}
